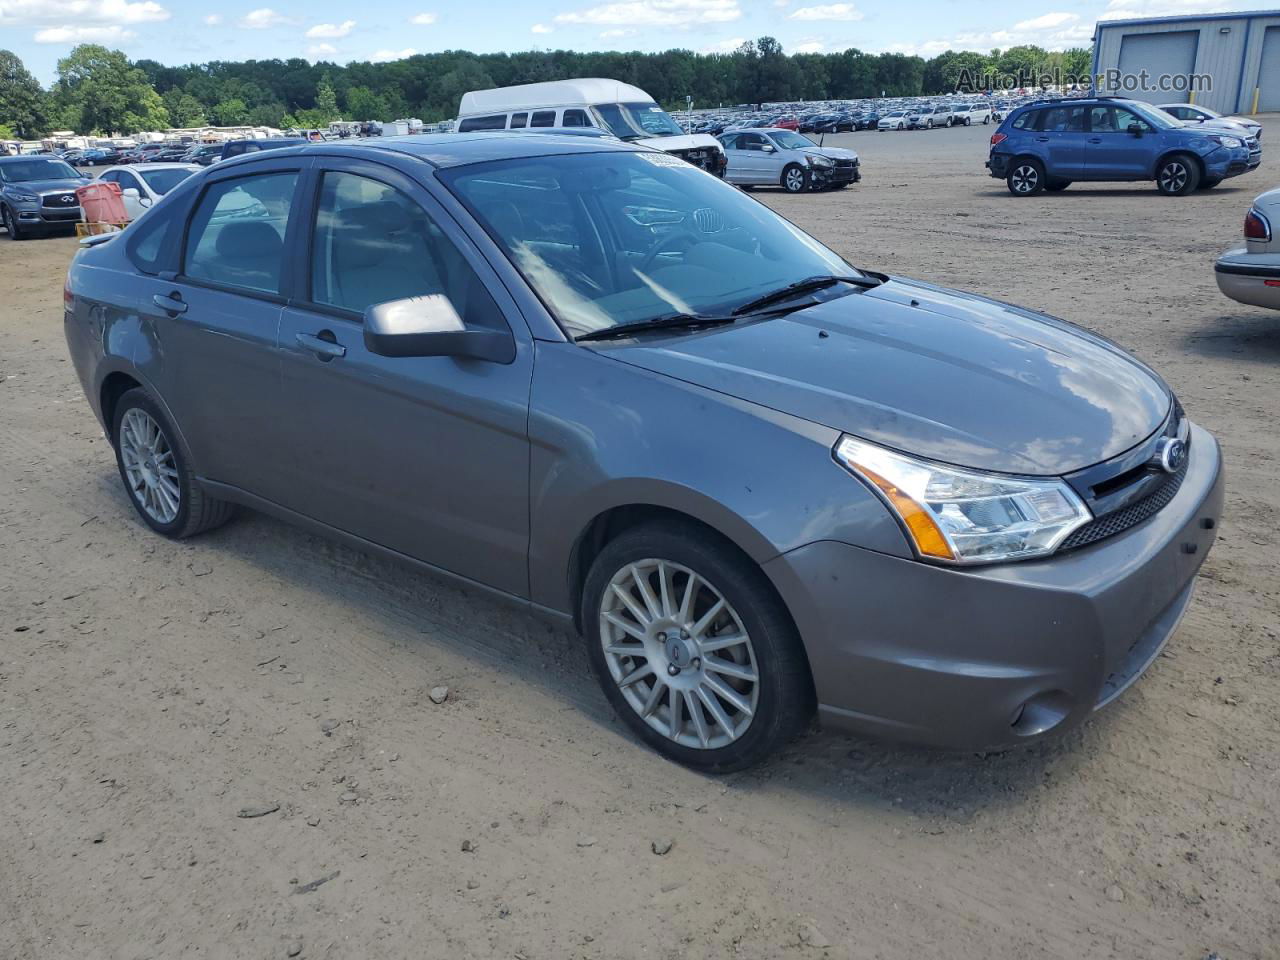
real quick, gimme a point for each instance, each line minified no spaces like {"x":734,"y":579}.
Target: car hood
{"x":45,"y":186}
{"x":687,"y":141}
{"x":941,"y":374}
{"x":833,"y":153}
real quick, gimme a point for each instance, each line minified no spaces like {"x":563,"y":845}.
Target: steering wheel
{"x":686,"y":236}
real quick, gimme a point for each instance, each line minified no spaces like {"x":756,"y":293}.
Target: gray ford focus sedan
{"x":760,"y":481}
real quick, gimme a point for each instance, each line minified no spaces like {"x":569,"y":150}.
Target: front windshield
{"x":162,"y":181}
{"x":792,"y":141}
{"x":634,"y":121}
{"x":622,"y":237}
{"x":37,"y":168}
{"x":1158,"y":118}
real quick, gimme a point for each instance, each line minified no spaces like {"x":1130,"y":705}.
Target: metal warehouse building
{"x":1239,"y":52}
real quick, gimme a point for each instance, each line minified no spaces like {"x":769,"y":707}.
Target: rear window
{"x":496,"y":122}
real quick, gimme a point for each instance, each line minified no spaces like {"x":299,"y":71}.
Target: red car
{"x":787,"y":122}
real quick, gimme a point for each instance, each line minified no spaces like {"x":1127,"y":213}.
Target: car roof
{"x":454,"y":149}
{"x":581,"y":91}
{"x":193,"y":167}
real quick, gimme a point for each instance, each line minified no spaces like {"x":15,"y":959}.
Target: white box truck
{"x":619,"y":109}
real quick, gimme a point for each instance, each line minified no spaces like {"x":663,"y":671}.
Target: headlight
{"x":960,"y":516}
{"x":24,"y":197}
{"x":1230,"y":142}
{"x":816,"y":161}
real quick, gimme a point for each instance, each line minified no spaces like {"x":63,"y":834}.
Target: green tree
{"x":231,"y":113}
{"x":326,"y":101}
{"x":101,"y":92}
{"x":184,"y":109}
{"x":24,"y":107}
{"x":7,"y":133}
{"x":364,"y":104}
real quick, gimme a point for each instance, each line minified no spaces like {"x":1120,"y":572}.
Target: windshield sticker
{"x":664,"y":160}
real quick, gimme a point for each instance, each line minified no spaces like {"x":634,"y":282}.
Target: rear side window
{"x":518,"y":120}
{"x":1026,"y":121}
{"x":543,"y":118}
{"x":145,"y":241}
{"x":236,"y":236}
{"x":496,"y":122}
{"x":575,"y":118}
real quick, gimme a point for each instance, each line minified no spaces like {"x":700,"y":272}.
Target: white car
{"x":1251,"y":274}
{"x":893,"y":121}
{"x":1193,"y":114}
{"x":974,"y":113}
{"x":144,"y":184}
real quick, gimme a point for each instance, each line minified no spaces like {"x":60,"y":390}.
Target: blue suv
{"x":1053,"y":143}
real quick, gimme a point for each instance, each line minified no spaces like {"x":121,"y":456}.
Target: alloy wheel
{"x":150,"y":466}
{"x":795,"y":180}
{"x":679,"y":654}
{"x":1025,"y":178}
{"x":1173,"y":176}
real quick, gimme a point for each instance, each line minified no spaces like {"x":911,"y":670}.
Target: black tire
{"x":1056,"y":186}
{"x":951,"y":121}
{"x":785,"y":699}
{"x":197,"y":511}
{"x":1177,"y":175}
{"x":1210,"y":183}
{"x":11,"y":225}
{"x":792,"y":183}
{"x":1026,"y":177}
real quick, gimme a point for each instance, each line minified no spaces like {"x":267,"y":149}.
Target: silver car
{"x":772,"y":157}
{"x":1251,"y":274}
{"x":590,"y":378}
{"x":1190,"y":113}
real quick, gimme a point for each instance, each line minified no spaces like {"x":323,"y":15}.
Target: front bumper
{"x":1252,"y":278}
{"x":33,"y":216}
{"x":832,"y":176}
{"x":990,"y":657}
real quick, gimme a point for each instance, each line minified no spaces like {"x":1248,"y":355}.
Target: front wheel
{"x":1026,"y":178}
{"x":1210,"y":184}
{"x":156,"y":469}
{"x":694,"y":649}
{"x":1056,"y":186}
{"x":11,"y":225}
{"x":1177,"y":176}
{"x":795,"y":179}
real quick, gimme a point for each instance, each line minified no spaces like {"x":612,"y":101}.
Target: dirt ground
{"x":150,"y":691}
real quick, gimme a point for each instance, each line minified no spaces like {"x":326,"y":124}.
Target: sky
{"x":183,"y":31}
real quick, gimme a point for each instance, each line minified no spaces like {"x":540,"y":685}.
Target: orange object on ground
{"x":101,"y":202}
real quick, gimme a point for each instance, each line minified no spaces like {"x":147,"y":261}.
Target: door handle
{"x":322,"y":347}
{"x":1095,"y":139}
{"x":1042,"y":139}
{"x":173,"y":303}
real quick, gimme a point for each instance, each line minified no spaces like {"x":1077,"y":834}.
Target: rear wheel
{"x":1026,"y":178}
{"x":693,"y":648}
{"x":1177,"y":175}
{"x":795,"y":179}
{"x":156,"y":469}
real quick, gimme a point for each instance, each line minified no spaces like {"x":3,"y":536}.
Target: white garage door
{"x":1269,"y":71}
{"x":1159,"y":54}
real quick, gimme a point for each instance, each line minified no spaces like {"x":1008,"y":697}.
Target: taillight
{"x":68,"y":298}
{"x":998,"y":137}
{"x":1256,"y":227}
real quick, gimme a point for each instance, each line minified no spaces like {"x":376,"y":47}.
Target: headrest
{"x":249,"y":240}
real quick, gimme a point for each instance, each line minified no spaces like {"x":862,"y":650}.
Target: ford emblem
{"x":1170,"y":454}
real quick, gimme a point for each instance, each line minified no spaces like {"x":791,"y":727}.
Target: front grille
{"x":60,"y":201}
{"x":1108,"y":525}
{"x":704,"y":159}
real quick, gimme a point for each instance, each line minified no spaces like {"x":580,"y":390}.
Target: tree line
{"x":101,"y":91}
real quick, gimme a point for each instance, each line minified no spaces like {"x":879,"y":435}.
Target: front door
{"x":428,"y":456}
{"x":1115,"y":152}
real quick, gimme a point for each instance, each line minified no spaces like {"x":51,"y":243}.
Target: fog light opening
{"x":1041,"y":713}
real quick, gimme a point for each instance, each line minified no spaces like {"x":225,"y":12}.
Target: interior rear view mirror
{"x":430,"y":327}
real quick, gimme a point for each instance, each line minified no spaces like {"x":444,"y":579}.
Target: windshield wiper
{"x":668,"y":322}
{"x":803,"y":286}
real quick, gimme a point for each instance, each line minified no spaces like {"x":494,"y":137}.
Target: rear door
{"x":428,"y":456}
{"x":221,"y":312}
{"x":1064,"y":133}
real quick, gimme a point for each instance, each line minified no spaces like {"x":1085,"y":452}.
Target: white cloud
{"x":1134,"y":9}
{"x":386,"y":56}
{"x":81,"y":12}
{"x":656,"y":13}
{"x":541,"y":28}
{"x":321,"y":50}
{"x":213,"y":19}
{"x":262,"y":18}
{"x":1047,"y":21}
{"x":724,"y":46}
{"x":809,"y":46}
{"x":829,"y":11}
{"x":331,"y":31}
{"x":84,"y":35}
{"x":615,"y":34}
{"x":423,"y":19}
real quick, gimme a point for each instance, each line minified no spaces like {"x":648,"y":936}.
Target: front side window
{"x":611,"y":238}
{"x":1115,"y":120}
{"x":575,"y":118}
{"x":236,"y":237}
{"x":373,"y":244}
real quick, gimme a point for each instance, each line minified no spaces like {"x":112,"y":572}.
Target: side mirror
{"x":429,"y":326}
{"x":131,"y":192}
{"x":767,"y":148}
{"x":1135,"y":129}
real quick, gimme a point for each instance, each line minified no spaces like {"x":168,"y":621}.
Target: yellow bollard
{"x":1256,"y":90}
